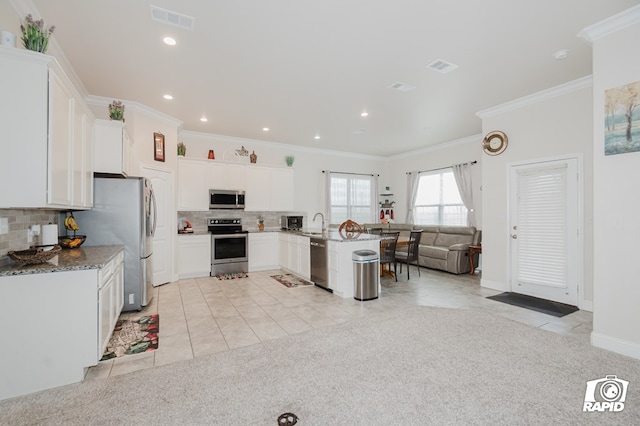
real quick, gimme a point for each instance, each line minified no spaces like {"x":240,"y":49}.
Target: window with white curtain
{"x":438,"y":201}
{"x":352,"y":197}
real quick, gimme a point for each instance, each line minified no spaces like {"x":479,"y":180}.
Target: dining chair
{"x":411,"y":254}
{"x":388,"y":245}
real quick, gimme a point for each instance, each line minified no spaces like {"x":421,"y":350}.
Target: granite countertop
{"x":334,"y":235}
{"x":90,"y":257}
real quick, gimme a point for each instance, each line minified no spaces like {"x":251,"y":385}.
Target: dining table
{"x":402,"y":242}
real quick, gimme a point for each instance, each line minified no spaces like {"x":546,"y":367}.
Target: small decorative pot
{"x":253,"y":157}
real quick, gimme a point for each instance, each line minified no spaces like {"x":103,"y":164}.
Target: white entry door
{"x":545,"y":238}
{"x":162,"y":181}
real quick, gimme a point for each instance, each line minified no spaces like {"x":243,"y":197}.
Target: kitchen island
{"x":58,"y":317}
{"x":340,"y":248}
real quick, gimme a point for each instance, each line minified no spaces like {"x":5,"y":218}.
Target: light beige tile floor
{"x":205,"y":315}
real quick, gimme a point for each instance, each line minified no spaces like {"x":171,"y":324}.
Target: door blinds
{"x":542,"y":227}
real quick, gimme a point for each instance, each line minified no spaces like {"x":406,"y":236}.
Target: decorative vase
{"x":260,"y":226}
{"x":253,"y":157}
{"x":289,"y":160}
{"x":182,"y":149}
{"x":211,"y":155}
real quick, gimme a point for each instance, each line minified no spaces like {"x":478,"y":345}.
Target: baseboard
{"x":495,"y":285}
{"x":614,"y":344}
{"x":586,"y":305}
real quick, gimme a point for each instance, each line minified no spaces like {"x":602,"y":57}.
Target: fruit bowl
{"x":71,"y":241}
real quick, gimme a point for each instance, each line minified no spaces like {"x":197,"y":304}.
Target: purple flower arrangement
{"x":34,"y":34}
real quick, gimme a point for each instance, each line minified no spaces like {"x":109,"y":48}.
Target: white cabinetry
{"x":340,"y":264}
{"x":193,"y":185}
{"x":263,"y":251}
{"x":294,"y":254}
{"x":46,"y":130}
{"x":269,"y":188}
{"x":113,"y":148}
{"x":194,"y":256}
{"x":110,"y":299}
{"x":266,"y":188}
{"x":70,"y":318}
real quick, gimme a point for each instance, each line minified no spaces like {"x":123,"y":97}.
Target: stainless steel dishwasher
{"x":319,"y":267}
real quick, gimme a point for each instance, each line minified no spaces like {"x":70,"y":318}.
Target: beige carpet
{"x":416,"y":366}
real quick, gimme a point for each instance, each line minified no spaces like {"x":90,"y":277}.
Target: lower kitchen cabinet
{"x":295,"y":254}
{"x":57,"y":324}
{"x":263,"y":251}
{"x":194,"y":256}
{"x":340,"y":264}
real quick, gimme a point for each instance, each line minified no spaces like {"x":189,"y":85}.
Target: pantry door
{"x":545,"y":229}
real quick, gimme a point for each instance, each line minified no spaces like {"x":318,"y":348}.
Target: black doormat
{"x":549,"y":307}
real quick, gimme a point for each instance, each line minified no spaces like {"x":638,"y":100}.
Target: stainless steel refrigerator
{"x":124,"y":213}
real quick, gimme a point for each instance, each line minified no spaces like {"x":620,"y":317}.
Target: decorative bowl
{"x":71,"y":241}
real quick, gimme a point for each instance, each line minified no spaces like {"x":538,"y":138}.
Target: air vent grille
{"x":401,"y":87}
{"x":442,"y":66}
{"x":172,"y":18}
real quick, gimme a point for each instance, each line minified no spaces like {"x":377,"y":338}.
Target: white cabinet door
{"x":193,"y":185}
{"x":258,"y":188}
{"x":218,"y":175}
{"x":304,"y":257}
{"x":281,"y":198}
{"x":105,"y":304}
{"x":263,"y":251}
{"x":113,"y":148}
{"x":194,"y":256}
{"x":82,"y":158}
{"x":283,"y":250}
{"x":60,"y":131}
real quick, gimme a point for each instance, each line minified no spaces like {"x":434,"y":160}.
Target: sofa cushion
{"x":433,"y":252}
{"x":450,"y":235}
{"x":429,"y":234}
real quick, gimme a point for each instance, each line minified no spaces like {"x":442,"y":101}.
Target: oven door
{"x":228,"y":248}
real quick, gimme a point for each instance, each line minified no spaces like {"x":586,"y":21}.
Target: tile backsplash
{"x":249,"y":219}
{"x":19,"y":222}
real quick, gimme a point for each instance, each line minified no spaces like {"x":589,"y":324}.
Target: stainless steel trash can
{"x":365,"y":274}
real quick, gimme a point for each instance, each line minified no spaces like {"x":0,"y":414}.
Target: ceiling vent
{"x":172,"y":18}
{"x":401,"y":87}
{"x":442,"y":66}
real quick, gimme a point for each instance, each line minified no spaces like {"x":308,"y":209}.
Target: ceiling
{"x":305,"y":69}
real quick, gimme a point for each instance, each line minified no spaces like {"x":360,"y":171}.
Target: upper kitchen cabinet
{"x":269,"y":188}
{"x":193,"y":185}
{"x":46,"y":131}
{"x":113,"y":148}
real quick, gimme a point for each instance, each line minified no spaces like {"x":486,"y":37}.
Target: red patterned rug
{"x":133,"y":337}
{"x":290,"y":280}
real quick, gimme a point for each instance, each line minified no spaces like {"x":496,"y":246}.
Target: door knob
{"x":514,"y":236}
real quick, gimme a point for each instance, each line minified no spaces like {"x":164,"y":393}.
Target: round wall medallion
{"x":495,"y":142}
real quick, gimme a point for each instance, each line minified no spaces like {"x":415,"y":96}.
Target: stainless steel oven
{"x":229,"y":246}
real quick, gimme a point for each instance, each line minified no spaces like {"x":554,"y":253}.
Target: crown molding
{"x":611,"y":25}
{"x":474,"y":139}
{"x":101,"y":101}
{"x":543,"y":95}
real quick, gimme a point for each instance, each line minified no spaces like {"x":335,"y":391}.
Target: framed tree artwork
{"x":158,"y":147}
{"x":622,"y":119}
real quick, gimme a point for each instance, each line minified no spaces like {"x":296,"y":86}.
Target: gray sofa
{"x":441,"y":247}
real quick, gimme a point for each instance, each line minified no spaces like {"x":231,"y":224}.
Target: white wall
{"x":549,"y":124}
{"x":616,"y":312}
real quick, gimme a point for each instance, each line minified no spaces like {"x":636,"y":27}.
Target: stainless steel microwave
{"x":226,"y":199}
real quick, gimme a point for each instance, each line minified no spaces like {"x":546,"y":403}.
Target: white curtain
{"x":462,"y":173}
{"x":412,"y":194}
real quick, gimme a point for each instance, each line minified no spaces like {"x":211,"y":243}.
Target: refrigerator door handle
{"x":155,"y":213}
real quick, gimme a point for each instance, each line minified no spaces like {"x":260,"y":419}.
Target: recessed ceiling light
{"x":265,"y":129}
{"x":561,"y":54}
{"x":168,"y":97}
{"x":204,"y":119}
{"x":169,"y":41}
{"x":364,"y":114}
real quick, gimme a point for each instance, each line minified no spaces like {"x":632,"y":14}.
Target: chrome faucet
{"x":321,"y":215}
